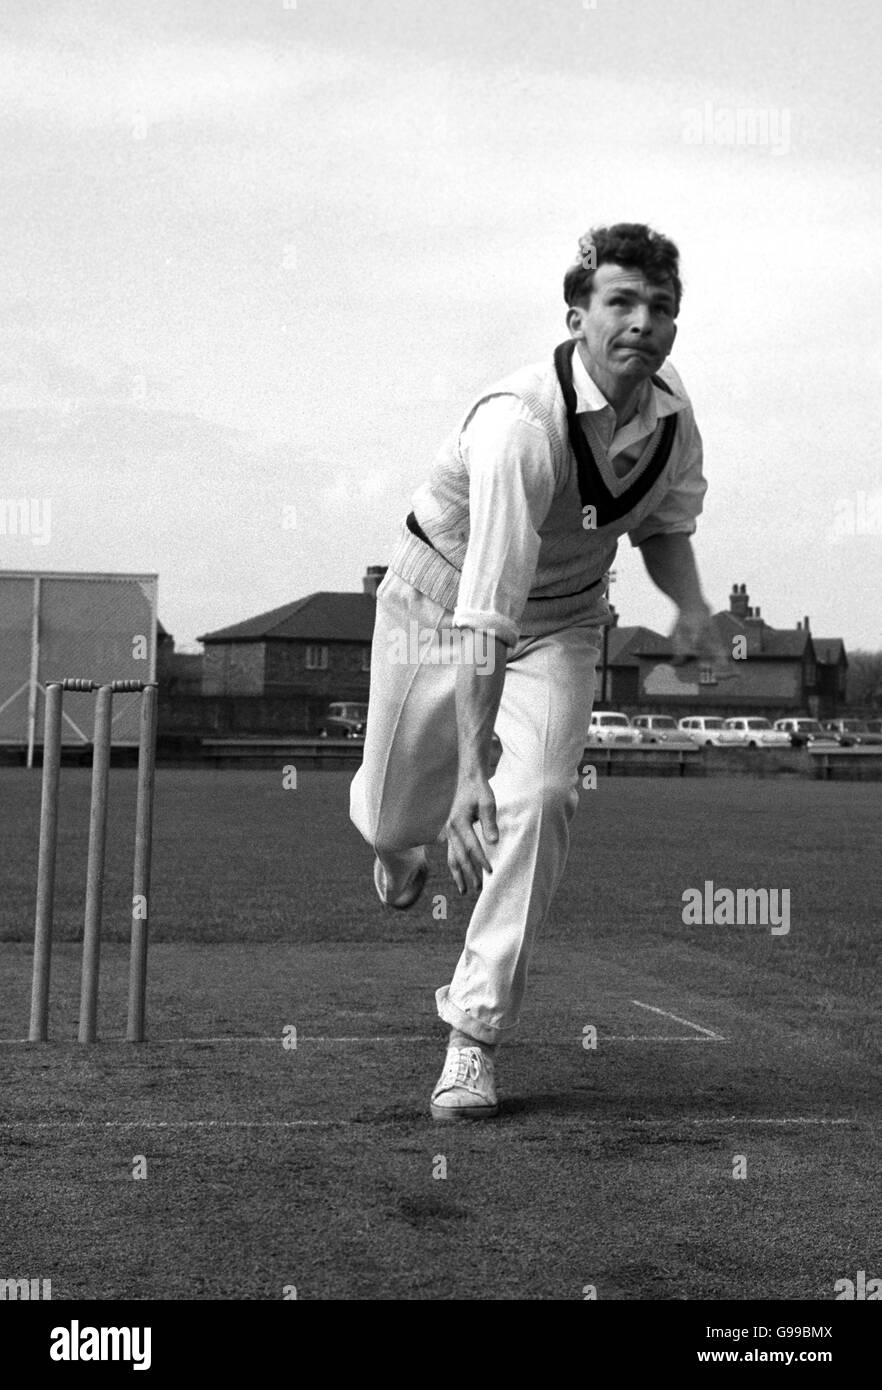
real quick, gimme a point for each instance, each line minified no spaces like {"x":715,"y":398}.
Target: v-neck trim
{"x":615,"y":484}
{"x":586,"y":388}
{"x":610,"y":496}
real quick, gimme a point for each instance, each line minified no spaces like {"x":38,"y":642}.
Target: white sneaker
{"x":405,"y":892}
{"x":466,"y":1089}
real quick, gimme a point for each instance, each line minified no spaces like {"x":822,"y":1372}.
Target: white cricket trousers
{"x":402,"y":793}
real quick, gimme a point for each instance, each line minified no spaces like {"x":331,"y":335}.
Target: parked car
{"x":344,"y":719}
{"x":849,"y":732}
{"x":607,"y":727}
{"x":760,"y":733}
{"x":804,"y":731}
{"x":709,"y":730}
{"x":874,"y":726}
{"x":661,"y":728}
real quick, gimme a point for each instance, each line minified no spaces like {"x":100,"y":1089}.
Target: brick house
{"x":279,"y":671}
{"x":780,"y":671}
{"x":308,"y":652}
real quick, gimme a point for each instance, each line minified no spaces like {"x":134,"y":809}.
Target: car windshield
{"x":854,"y":726}
{"x":758,"y":724}
{"x":618,"y":720}
{"x":808,"y":726}
{"x":664,"y":723}
{"x":713,"y":723}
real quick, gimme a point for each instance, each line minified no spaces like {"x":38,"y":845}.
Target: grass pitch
{"x":270,"y":1167}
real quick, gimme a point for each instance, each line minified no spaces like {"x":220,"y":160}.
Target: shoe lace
{"x":463,"y":1065}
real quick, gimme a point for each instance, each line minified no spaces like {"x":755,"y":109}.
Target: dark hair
{"x":630,"y":244}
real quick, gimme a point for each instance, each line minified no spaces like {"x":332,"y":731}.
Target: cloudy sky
{"x":260,"y":255}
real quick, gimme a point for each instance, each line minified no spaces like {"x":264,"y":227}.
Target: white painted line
{"x":775,"y":1120}
{"x":662,"y":1038}
{"x":708,"y":1032}
{"x":169,"y":1124}
{"x":386,"y":1038}
{"x":272,"y":1038}
{"x":665,"y":1122}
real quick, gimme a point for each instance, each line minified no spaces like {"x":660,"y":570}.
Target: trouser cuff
{"x":491,"y":1033}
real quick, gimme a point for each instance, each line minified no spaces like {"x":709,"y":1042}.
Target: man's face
{"x":627,"y":328}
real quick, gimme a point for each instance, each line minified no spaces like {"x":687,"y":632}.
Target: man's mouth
{"x":640,"y":351}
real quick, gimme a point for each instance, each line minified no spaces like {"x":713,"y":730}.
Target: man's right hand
{"x":473,"y":804}
{"x":694,"y":638}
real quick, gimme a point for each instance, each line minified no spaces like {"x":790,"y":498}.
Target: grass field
{"x":269,"y":1167}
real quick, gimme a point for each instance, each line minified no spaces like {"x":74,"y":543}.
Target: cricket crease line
{"x":418,"y":1038}
{"x":708,"y":1032}
{"x":779,"y":1120}
{"x":169,"y":1124}
{"x":397,"y":1038}
{"x":659,"y":1037}
{"x":658,"y":1123}
{"x":277,"y":1038}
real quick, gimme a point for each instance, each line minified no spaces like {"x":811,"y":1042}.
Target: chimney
{"x":805,"y":622}
{"x":738,"y":601}
{"x":373,"y":579}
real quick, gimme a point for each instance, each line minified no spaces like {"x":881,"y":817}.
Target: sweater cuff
{"x":492,"y":623}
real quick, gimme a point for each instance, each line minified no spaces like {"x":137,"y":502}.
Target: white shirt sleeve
{"x":511,"y":487}
{"x":682,"y":503}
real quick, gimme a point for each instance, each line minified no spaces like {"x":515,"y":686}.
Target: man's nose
{"x":641,"y":319}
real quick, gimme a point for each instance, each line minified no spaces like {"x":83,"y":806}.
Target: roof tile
{"x":321,"y":617}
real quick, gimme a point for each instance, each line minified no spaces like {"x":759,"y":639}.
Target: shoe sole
{"x":450,"y":1114}
{"x":419,"y":883}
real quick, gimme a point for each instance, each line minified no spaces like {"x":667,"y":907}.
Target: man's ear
{"x":575,"y":315}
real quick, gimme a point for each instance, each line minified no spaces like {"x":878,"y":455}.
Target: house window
{"x":316,"y":658}
{"x":365,"y":658}
{"x":706,"y":675}
{"x":811,"y":674}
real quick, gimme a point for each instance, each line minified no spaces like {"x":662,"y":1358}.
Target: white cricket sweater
{"x":510,"y":546}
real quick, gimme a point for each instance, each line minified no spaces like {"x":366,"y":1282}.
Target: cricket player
{"x":489,"y":619}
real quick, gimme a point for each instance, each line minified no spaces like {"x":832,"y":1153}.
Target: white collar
{"x":653,"y":403}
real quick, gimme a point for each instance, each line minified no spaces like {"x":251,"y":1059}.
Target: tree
{"x":865,"y":680}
